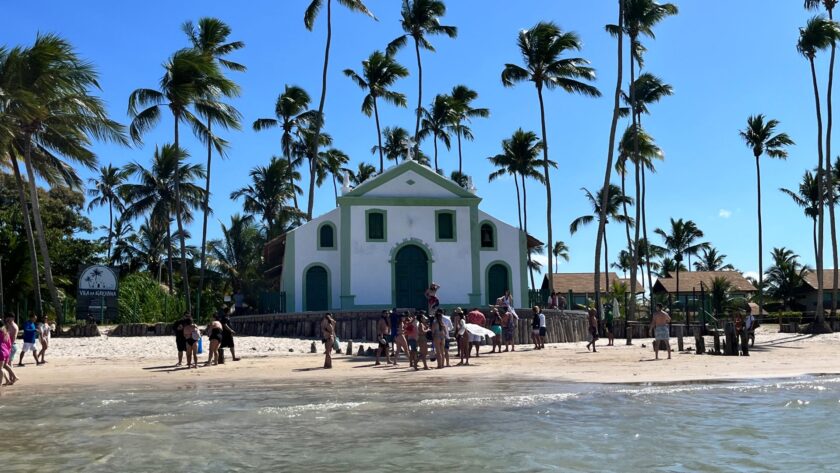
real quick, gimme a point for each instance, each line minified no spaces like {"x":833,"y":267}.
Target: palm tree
{"x":362,"y":173}
{"x":269,"y":193}
{"x":520,"y":158}
{"x":210,"y":38}
{"x":48,"y":110}
{"x":420,"y":18}
{"x":542,"y":47}
{"x":818,"y":34}
{"x":318,"y":120}
{"x":669,"y":266}
{"x":190,"y":76}
{"x":154,"y":193}
{"x":105,"y":191}
{"x":435,"y":123}
{"x":807,"y":197}
{"x":761,"y":137}
{"x":237,"y":253}
{"x":560,"y":251}
{"x":615,"y":200}
{"x":712,"y":260}
{"x":396,"y":145}
{"x":786,"y":278}
{"x":682,"y":240}
{"x":463,"y":180}
{"x":460,"y":100}
{"x":330,"y":164}
{"x":379,"y":72}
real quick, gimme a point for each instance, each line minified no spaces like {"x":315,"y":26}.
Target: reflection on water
{"x":469,"y":426}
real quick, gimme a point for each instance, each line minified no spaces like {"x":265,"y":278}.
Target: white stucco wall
{"x":507,"y":250}
{"x":307,"y":253}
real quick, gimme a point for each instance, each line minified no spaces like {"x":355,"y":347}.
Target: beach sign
{"x":96,"y":296}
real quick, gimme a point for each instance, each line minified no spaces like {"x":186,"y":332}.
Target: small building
{"x":693,"y":283}
{"x":578,"y":288}
{"x":808,"y":298}
{"x":390,"y":238}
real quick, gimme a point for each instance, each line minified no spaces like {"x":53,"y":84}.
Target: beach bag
{"x":200,"y":346}
{"x":336,"y":345}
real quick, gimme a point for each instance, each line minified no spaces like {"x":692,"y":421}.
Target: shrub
{"x":143,"y":300}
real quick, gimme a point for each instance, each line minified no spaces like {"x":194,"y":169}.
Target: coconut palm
{"x":105,"y":191}
{"x":330,"y":164}
{"x":712,"y":260}
{"x":362,"y":173}
{"x":396,"y":144}
{"x":669,"y":266}
{"x":379,"y":72}
{"x":237,"y":254}
{"x":435,"y":123}
{"x":760,"y":136}
{"x":154,"y":194}
{"x":560,"y":251}
{"x":269,"y":194}
{"x":615,"y":200}
{"x":681,"y":239}
{"x":817,"y":35}
{"x":542,"y":48}
{"x":786,"y":278}
{"x":520,"y":159}
{"x":807,"y":197}
{"x":420,"y":19}
{"x":460,"y":100}
{"x":318,"y":120}
{"x":463,"y":180}
{"x":47,"y":109}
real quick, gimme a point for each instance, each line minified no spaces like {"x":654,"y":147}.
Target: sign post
{"x":97,"y":293}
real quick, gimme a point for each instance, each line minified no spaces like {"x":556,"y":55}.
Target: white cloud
{"x":723,"y":213}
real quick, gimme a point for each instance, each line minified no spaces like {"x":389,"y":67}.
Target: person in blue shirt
{"x":30,"y":336}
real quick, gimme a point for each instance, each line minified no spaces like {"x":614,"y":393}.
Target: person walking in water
{"x":328,"y":334}
{"x":660,"y":325}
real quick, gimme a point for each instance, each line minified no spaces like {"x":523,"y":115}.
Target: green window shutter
{"x":446,"y":226}
{"x":327,"y":237}
{"x":376,"y":226}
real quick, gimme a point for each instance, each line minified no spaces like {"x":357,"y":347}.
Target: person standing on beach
{"x":439,"y":335}
{"x":507,"y":304}
{"x":608,"y":323}
{"x":30,"y":334}
{"x":593,"y":330}
{"x":12,"y":329}
{"x":328,"y":334}
{"x":44,"y":336}
{"x":5,"y":352}
{"x":214,"y":332}
{"x":457,"y":316}
{"x":191,"y":335}
{"x":180,"y":341}
{"x":384,"y":338}
{"x":659,"y":323}
{"x":395,"y":328}
{"x":538,"y":330}
{"x":475,"y":317}
{"x":400,"y":342}
{"x":461,"y":336}
{"x":410,"y":329}
{"x":496,"y":327}
{"x":508,"y":329}
{"x":422,"y":340}
{"x":227,"y":335}
{"x":751,"y":325}
{"x":432,"y":298}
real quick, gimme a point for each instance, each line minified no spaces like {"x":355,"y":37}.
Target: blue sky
{"x":725,"y":59}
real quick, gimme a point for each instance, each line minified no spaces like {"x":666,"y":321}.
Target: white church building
{"x":395,"y":234}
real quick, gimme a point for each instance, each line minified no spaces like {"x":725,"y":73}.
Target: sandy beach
{"x":148,"y":361}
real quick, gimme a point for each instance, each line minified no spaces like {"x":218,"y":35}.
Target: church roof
{"x":374,"y":185}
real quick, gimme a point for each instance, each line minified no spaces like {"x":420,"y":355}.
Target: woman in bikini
{"x":400,"y":342}
{"x":214,"y":330}
{"x":496,"y":327}
{"x":192,"y":335}
{"x":422,"y":340}
{"x":439,"y":334}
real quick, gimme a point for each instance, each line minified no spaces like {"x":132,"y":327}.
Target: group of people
{"x":188,"y":337}
{"x":35,"y":332}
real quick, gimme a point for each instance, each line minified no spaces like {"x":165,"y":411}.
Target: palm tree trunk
{"x":169,"y":257}
{"x":525,"y":211}
{"x":110,"y":227}
{"x":39,"y":230}
{"x":182,"y":239}
{"x":291,"y":179}
{"x":819,"y":316}
{"x":460,"y":157}
{"x":518,"y":202}
{"x":634,"y":247}
{"x":645,"y":236}
{"x":204,"y":225}
{"x":419,"y":102}
{"x":760,"y":240}
{"x":547,"y":189}
{"x":816,"y":251}
{"x":379,"y":137}
{"x":434,"y":140}
{"x":30,"y":237}
{"x":602,"y":217}
{"x":626,"y":214}
{"x":828,"y":174}
{"x":335,"y":190}
{"x":316,"y":138}
{"x":606,"y":270}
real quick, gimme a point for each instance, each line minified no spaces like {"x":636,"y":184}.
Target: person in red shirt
{"x":475,"y":317}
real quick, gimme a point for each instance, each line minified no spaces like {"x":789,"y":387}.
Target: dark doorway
{"x":411,"y":277}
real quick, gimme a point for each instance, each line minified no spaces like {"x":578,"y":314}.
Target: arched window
{"x":488,"y":236}
{"x":326,"y":236}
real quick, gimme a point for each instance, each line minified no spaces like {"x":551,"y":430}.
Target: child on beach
{"x":191,"y":335}
{"x":30,"y":333}
{"x":44,"y":331}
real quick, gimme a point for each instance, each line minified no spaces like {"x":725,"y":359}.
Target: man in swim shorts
{"x":659,"y":324}
{"x":30,"y":336}
{"x":475,"y":317}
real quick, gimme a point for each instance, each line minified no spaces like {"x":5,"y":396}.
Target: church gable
{"x":410,"y":179}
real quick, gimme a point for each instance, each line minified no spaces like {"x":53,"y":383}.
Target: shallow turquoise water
{"x":788,"y":425}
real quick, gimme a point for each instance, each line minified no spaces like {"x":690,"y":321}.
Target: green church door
{"x":317,"y":289}
{"x":411,"y":274}
{"x":497,"y":282}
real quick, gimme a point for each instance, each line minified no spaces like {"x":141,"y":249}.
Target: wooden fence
{"x":569,"y":326}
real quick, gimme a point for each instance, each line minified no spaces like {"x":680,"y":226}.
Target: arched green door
{"x":411,"y":277}
{"x":317,"y":289}
{"x":497,"y":282}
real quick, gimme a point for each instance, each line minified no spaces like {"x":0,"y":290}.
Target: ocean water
{"x":404,"y":425}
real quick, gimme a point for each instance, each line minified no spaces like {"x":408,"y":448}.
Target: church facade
{"x":395,"y":234}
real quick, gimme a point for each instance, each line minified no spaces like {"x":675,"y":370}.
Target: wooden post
{"x":717,"y":342}
{"x":680,"y":343}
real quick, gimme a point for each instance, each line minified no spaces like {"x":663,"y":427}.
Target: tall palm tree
{"x":330,"y":164}
{"x":269,"y":194}
{"x":48,"y":109}
{"x":105,"y":191}
{"x":293,"y":116}
{"x":435,"y":123}
{"x":460,"y":100}
{"x":560,"y":251}
{"x":669,"y":266}
{"x":396,"y":144}
{"x":210,"y":37}
{"x":420,"y":18}
{"x":817,"y":35}
{"x":615,"y":200}
{"x":542,"y":48}
{"x":520,"y":159}
{"x":786,"y":278}
{"x":154,"y":195}
{"x":807,"y":197}
{"x":682,"y":240}
{"x":189,"y":78}
{"x":379,"y":72}
{"x":318,"y":121}
{"x":237,"y":253}
{"x":712,"y":260}
{"x":760,"y":136}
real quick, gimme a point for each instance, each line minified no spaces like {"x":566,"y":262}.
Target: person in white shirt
{"x":44,"y":332}
{"x":750,"y":326}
